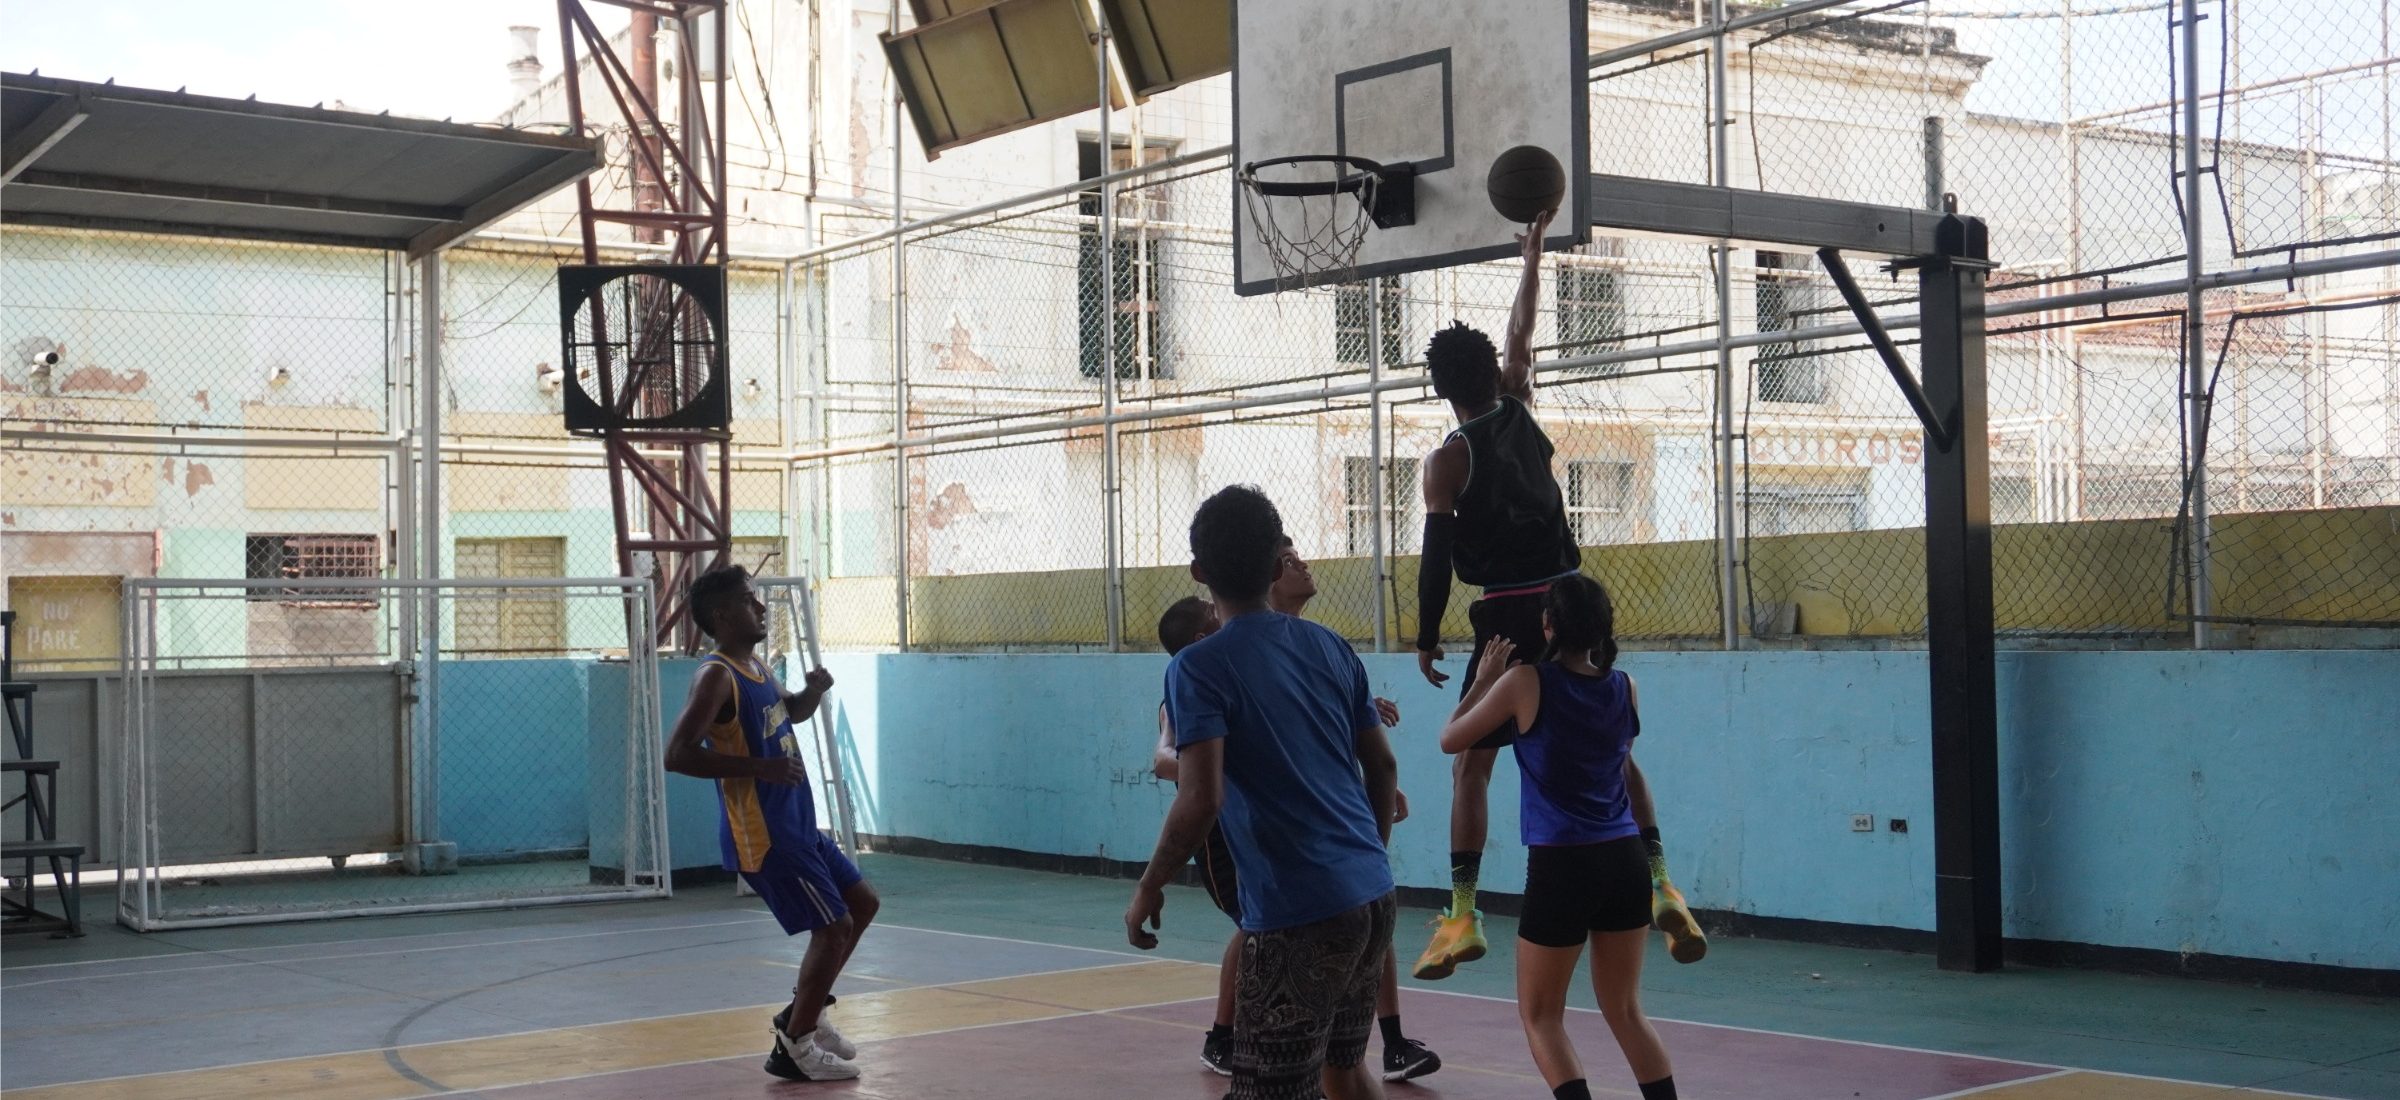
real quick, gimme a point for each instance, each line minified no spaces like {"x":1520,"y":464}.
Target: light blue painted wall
{"x":513,"y":755}
{"x":2225,"y":803}
{"x":2229,"y":803}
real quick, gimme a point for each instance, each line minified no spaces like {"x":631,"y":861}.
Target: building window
{"x":1402,"y":505}
{"x":1805,"y":507}
{"x":1138,"y":298}
{"x":511,"y":621}
{"x":1591,"y":302}
{"x":1600,"y":502}
{"x":1353,"y":324}
{"x":1784,"y":371}
{"x":313,"y":557}
{"x":2012,"y":499}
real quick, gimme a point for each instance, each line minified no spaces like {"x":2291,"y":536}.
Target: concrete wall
{"x":2223,"y":803}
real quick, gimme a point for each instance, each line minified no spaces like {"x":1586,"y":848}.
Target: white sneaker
{"x":815,"y":1062}
{"x":832,"y":1040}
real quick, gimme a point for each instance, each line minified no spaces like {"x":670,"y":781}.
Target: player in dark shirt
{"x":1494,"y":516}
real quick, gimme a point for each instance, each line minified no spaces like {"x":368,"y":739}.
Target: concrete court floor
{"x":990,"y":982}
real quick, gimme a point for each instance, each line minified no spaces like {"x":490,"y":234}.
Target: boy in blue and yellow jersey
{"x":737,"y":729}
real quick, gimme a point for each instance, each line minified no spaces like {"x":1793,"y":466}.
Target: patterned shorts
{"x":1305,"y":1000}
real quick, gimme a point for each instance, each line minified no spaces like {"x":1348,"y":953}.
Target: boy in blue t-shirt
{"x":736,"y":728}
{"x":1280,"y":742}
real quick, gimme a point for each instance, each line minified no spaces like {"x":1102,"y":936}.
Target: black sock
{"x":1661,"y":1089}
{"x":1572,"y":1090}
{"x":1465,"y":866}
{"x":1391,"y":1029}
{"x":1220,"y":1031}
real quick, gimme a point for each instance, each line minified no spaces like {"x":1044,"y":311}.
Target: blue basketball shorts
{"x":802,"y":883}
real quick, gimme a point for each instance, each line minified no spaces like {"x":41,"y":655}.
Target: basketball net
{"x":1316,"y":235}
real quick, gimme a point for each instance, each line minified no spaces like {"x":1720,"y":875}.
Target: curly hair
{"x":1464,"y":364}
{"x":1237,"y":535}
{"x":710,"y":589}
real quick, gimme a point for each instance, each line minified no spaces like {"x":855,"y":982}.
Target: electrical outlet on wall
{"x":1862,"y":823}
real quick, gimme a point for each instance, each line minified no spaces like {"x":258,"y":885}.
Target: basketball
{"x":1525,"y":181}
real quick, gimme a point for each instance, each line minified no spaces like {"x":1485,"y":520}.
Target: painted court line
{"x":281,"y":960}
{"x":1979,"y":1090}
{"x":2058,"y":1069}
{"x":1066,"y":1014}
{"x":529,"y":1032}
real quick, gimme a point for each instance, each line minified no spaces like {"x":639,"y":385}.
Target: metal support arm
{"x":1938,"y":430}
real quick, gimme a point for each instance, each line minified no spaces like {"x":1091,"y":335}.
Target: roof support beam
{"x":35,"y":138}
{"x":236,"y":196}
{"x":502,"y":203}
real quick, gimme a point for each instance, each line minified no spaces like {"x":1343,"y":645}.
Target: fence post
{"x":1111,"y":518}
{"x":1375,"y":460}
{"x":425,"y":853}
{"x":2195,"y":337}
{"x":899,"y":377}
{"x":1728,"y":602}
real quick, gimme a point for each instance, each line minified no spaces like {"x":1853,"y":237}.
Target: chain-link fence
{"x":988,"y":431}
{"x":287,"y":750}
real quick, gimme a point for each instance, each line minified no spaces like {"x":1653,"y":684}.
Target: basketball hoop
{"x":1311,"y":240}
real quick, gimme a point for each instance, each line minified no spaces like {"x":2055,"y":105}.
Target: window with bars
{"x":1784,"y":371}
{"x":516,"y":622}
{"x":1591,"y":303}
{"x":1805,"y":506}
{"x":313,"y":557}
{"x":1600,"y":502}
{"x":1121,"y":275}
{"x":1401,"y":503}
{"x":1354,"y":323}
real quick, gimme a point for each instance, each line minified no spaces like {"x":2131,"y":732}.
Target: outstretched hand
{"x":1530,"y":241}
{"x":1498,"y":655}
{"x":1388,"y":712}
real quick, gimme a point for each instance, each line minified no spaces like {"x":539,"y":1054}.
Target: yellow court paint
{"x":537,"y":1056}
{"x":2110,"y":1086}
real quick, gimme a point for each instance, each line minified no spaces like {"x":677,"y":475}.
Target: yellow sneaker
{"x":1455,"y":940}
{"x":1685,"y":942}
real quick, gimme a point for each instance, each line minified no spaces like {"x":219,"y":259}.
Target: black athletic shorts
{"x":1519,"y":619}
{"x":1214,"y":863}
{"x":1574,"y":890}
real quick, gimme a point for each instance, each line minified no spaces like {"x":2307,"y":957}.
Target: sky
{"x":433,"y":58}
{"x":446,"y":58}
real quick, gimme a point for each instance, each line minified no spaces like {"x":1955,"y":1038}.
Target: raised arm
{"x":1516,"y":356}
{"x":1500,"y":694}
{"x":800,"y":704}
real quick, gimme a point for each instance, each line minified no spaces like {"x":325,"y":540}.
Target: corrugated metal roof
{"x":100,"y":156}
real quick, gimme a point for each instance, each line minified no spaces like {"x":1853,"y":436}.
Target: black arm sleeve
{"x":1433,"y":580}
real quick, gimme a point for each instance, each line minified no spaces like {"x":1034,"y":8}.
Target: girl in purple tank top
{"x":1585,"y":810}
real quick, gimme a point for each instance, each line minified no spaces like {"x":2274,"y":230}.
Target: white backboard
{"x":1445,"y":84}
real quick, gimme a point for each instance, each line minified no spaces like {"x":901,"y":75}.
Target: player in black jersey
{"x":1495,"y":516}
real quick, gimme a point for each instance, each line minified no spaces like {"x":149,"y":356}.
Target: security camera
{"x":45,"y":359}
